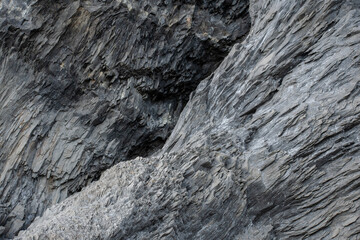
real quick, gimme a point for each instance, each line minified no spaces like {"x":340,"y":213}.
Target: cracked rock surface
{"x":87,"y":84}
{"x":267,"y":147}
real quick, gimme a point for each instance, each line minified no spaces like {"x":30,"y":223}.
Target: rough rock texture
{"x":86,"y":84}
{"x":267,"y":147}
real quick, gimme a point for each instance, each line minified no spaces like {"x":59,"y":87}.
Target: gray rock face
{"x":267,"y":147}
{"x":87,"y":84}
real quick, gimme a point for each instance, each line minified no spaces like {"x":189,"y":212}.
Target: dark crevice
{"x":146,"y":148}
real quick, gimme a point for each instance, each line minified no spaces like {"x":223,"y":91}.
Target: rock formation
{"x":87,"y":84}
{"x":267,"y":147}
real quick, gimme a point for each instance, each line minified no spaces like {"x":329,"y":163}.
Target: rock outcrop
{"x":87,"y":84}
{"x":267,"y":147}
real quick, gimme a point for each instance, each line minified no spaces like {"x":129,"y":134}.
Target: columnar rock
{"x":267,"y":147}
{"x":86,"y":84}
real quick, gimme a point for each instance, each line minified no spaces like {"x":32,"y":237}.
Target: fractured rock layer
{"x":86,"y":84}
{"x":267,"y":148}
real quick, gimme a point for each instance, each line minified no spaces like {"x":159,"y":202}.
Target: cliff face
{"x":87,"y":84}
{"x":267,"y":147}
